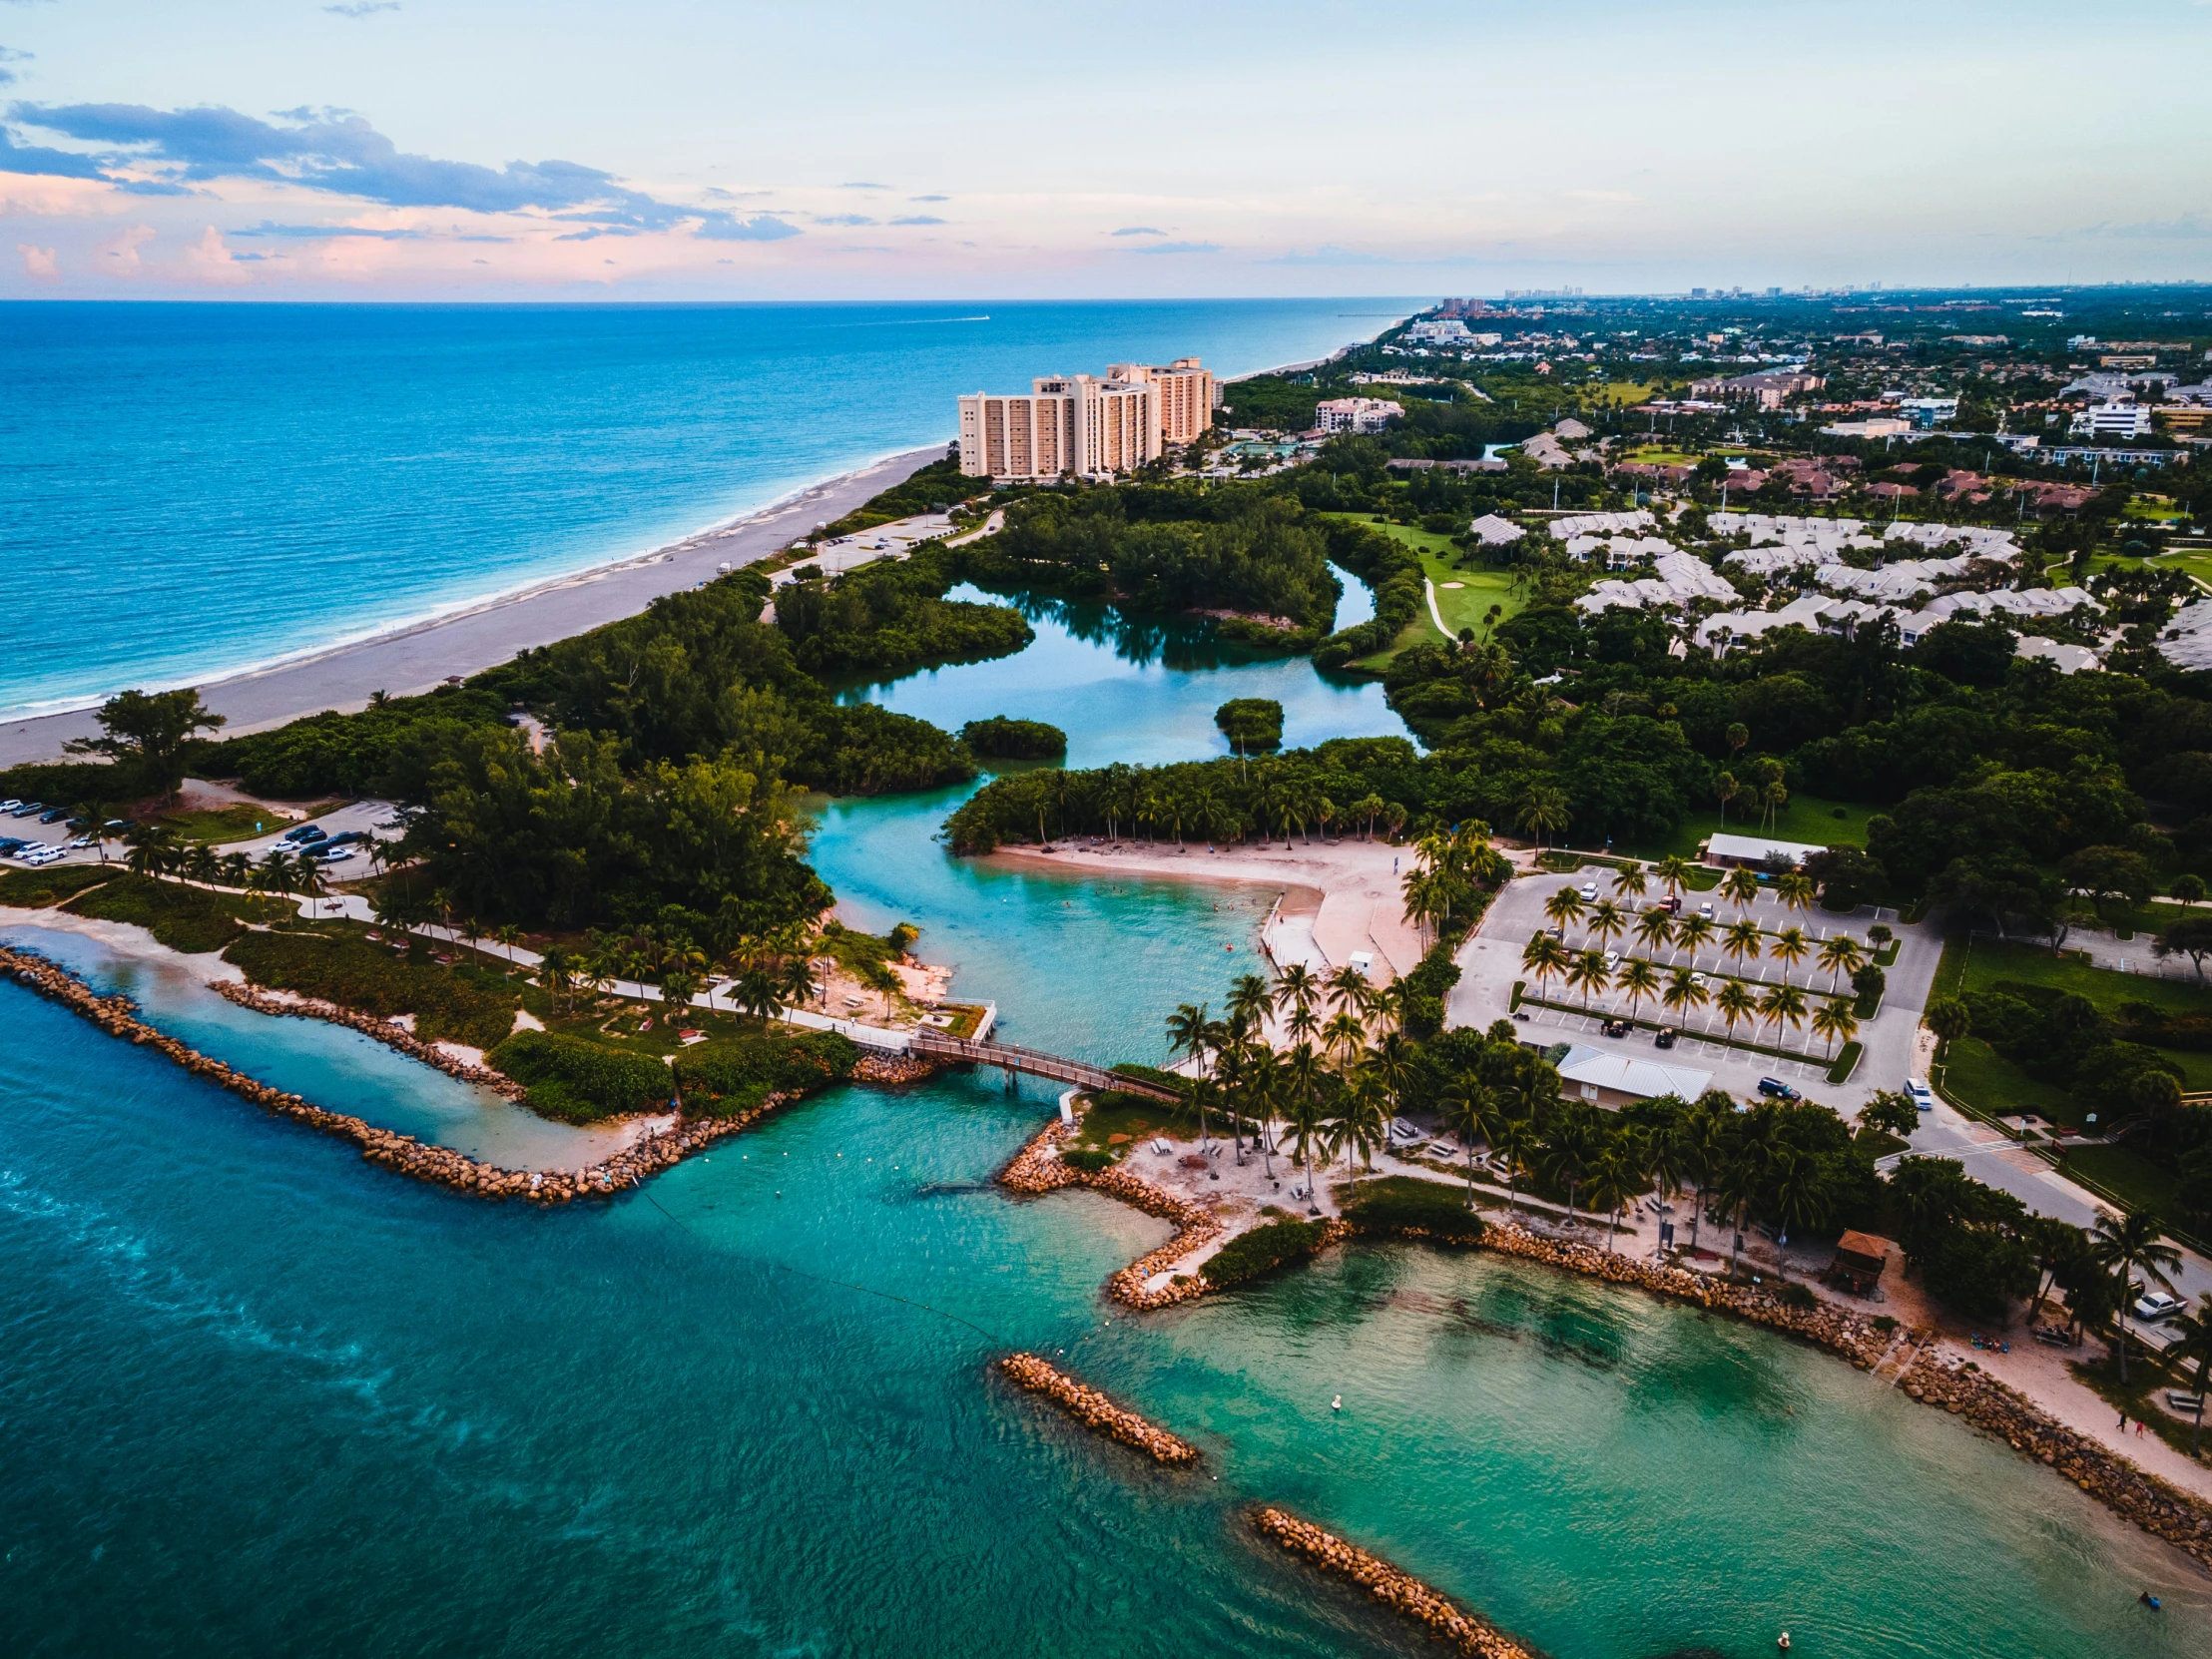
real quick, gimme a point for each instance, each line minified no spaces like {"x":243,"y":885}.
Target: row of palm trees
{"x":1834,"y":1019}
{"x":1450,"y":868}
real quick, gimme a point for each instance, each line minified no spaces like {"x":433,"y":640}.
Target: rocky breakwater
{"x":1095,"y":1412}
{"x":1971,"y":1393}
{"x":2179,"y":1517}
{"x":1038,"y":1168}
{"x":370,"y":1025}
{"x":1436,"y":1612}
{"x":403,"y":1154}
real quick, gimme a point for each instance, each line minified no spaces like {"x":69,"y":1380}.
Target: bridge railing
{"x":1034,"y":1061}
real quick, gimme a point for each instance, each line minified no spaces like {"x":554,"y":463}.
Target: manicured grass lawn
{"x":2198,"y":565}
{"x":1659,"y":455}
{"x":1463,"y":606}
{"x":1807,"y":817}
{"x":2134,"y":1179}
{"x":1985,"y":961}
{"x":1986,"y":1080}
{"x":222,"y":824}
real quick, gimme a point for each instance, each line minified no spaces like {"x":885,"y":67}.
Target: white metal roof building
{"x":1724,"y":848}
{"x":1608,"y":1078}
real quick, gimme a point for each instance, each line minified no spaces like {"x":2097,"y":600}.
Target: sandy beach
{"x":414,"y":659}
{"x":1340,"y":898}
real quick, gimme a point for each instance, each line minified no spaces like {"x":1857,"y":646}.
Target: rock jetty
{"x":1095,"y":1412}
{"x":403,"y":1154}
{"x":1443,"y":1618}
{"x":1037,"y":1168}
{"x":384,"y":1030}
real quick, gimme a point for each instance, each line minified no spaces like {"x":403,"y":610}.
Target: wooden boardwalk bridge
{"x":1034,"y":1062}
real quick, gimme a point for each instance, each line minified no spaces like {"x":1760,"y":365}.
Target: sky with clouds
{"x":677,"y":149}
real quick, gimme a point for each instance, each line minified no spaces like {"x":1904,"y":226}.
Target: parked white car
{"x":1922,"y":1096}
{"x":1589,"y":892}
{"x":2157,"y":1305}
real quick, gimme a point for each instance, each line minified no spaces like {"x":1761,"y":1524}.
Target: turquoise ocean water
{"x":259,"y":1397}
{"x":186,"y":491}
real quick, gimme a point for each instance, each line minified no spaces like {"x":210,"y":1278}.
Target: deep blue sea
{"x":188,"y":491}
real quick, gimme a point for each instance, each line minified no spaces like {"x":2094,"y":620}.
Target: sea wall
{"x":403,"y":1154}
{"x":1095,"y":1412}
{"x":1443,"y":1617}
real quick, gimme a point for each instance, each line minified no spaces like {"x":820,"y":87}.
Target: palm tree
{"x":1186,"y":1033}
{"x":2126,"y":1243}
{"x":1250,"y":1001}
{"x":1568,"y":1152}
{"x":307,"y":876}
{"x":1735,"y":1188}
{"x":1795,"y":888}
{"x":1639,"y":979}
{"x":1473,"y":1113}
{"x":1655,"y":929}
{"x":1301,"y":1115}
{"x":1734,"y":1002}
{"x":201,"y":864}
{"x":1782,"y":1002}
{"x":1613,"y":1181}
{"x":1563,"y":908}
{"x":1350,"y":991}
{"x":1588,"y":975}
{"x":1742,"y":940}
{"x":1543,"y":809}
{"x":1836,"y":1021}
{"x":1263,"y":1092}
{"x":1801,"y":1201}
{"x":556,"y":970}
{"x":1725,"y":789}
{"x":237,"y":869}
{"x":1544,"y":956}
{"x":1740,"y":888}
{"x":506,"y":933}
{"x":1841,"y":954}
{"x":1631,"y":881}
{"x":1296,"y":990}
{"x":1513,"y":1143}
{"x":1608,"y":921}
{"x":1361,"y":1124}
{"x":1683,"y":993}
{"x":1344,"y":1035}
{"x":1693,"y":934}
{"x":1790,"y":944}
{"x":1674,"y":874}
{"x":1390,"y":1061}
{"x":1706,"y":1146}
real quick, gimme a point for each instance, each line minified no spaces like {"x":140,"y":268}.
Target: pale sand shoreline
{"x":416,"y":657}
{"x":1356,"y":902}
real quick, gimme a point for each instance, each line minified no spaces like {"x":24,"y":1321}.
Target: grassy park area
{"x":1814,"y":820}
{"x":1463,"y":596}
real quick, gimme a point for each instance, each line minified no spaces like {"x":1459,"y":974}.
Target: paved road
{"x":1996,"y":1161}
{"x":1491,"y":962}
{"x":417,"y":659}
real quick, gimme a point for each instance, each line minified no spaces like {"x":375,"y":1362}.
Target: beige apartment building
{"x":1086,"y":425}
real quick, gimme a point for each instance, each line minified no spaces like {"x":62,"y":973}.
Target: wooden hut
{"x":1859,"y":1258}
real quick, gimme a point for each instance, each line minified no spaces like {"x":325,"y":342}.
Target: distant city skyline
{"x":426,"y":149}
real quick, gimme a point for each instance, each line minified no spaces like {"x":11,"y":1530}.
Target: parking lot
{"x":1490,"y":964}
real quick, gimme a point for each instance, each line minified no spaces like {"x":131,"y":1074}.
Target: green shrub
{"x":1251,"y":723}
{"x":1003,"y":739}
{"x":1153,"y":1074}
{"x":1396,"y":1204}
{"x":1262,"y":1249}
{"x":579,"y":1081}
{"x":190,"y":920}
{"x":1798,"y":1297}
{"x":748,"y":1068}
{"x":465,"y":1005}
{"x":1089,"y":1159}
{"x":40,"y":889}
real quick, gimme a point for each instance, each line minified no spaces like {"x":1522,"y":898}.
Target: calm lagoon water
{"x":261,"y":1398}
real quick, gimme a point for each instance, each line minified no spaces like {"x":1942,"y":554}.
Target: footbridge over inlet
{"x":1033,"y":1062}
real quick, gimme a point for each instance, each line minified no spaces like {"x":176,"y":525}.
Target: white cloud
{"x":119,"y":255}
{"x":208,"y":261}
{"x":39,"y":263}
